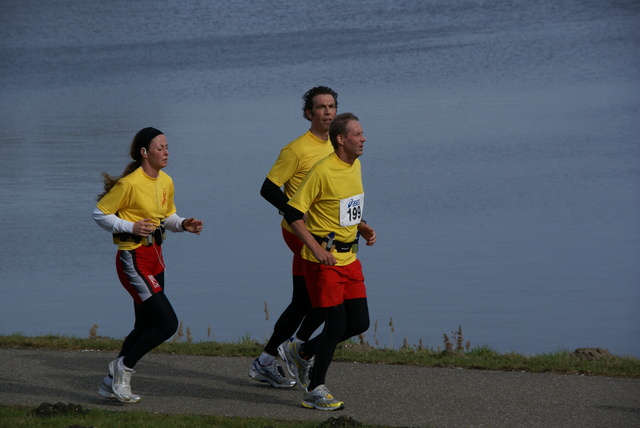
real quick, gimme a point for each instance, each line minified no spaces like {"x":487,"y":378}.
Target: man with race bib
{"x":332,"y":196}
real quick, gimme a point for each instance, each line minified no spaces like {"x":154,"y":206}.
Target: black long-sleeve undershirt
{"x":276,"y":197}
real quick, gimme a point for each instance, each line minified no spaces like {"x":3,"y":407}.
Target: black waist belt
{"x":157,"y":236}
{"x":340,"y":247}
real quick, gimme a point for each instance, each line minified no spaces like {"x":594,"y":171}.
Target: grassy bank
{"x":480,"y":358}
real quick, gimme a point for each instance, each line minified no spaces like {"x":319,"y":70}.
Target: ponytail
{"x":142,"y":139}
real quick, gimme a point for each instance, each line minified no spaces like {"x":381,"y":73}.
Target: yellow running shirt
{"x":295,"y":161}
{"x":138,"y":196}
{"x":333,"y":195}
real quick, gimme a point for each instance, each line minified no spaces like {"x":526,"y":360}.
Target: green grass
{"x":20,"y":416}
{"x":480,"y":358}
{"x":484,"y":358}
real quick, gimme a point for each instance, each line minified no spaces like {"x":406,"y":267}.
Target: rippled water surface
{"x":502,"y":164}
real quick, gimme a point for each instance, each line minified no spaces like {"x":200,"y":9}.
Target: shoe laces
{"x":324,"y":395}
{"x":322,"y":390}
{"x":273,"y":369}
{"x":125,"y":379}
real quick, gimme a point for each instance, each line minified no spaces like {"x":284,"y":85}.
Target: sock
{"x":265,"y":359}
{"x":302,"y":352}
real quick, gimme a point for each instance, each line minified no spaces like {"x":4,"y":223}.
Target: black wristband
{"x":182,"y":224}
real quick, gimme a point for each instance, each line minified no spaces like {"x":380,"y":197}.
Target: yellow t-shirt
{"x":138,"y":196}
{"x":332,"y":195}
{"x":295,"y":161}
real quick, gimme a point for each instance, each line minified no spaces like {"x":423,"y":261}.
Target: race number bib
{"x":351,"y":210}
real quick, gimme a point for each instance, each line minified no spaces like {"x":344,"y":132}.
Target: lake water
{"x":502,"y":163}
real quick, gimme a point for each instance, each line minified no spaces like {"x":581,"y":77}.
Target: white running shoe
{"x":297,"y":366}
{"x":121,"y":385}
{"x":282,"y":353}
{"x":106,"y":391}
{"x":321,"y":399}
{"x":272,"y":374}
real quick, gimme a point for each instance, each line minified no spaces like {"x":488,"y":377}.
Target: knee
{"x":173,"y":326}
{"x":334,"y":331}
{"x":358,"y":326}
{"x":169,"y":327}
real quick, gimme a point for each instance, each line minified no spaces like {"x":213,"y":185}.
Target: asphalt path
{"x":373,"y":394}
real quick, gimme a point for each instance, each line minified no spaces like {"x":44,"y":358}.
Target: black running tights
{"x":342,"y":322}
{"x":298,"y":311}
{"x":155,"y":322}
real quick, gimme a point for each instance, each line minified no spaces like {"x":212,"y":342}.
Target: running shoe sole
{"x":308,"y":405}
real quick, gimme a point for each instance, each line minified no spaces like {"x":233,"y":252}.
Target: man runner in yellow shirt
{"x":291,"y":167}
{"x":332,"y":199}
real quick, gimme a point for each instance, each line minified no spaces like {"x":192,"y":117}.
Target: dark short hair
{"x":318,"y":90}
{"x":340,"y":126}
